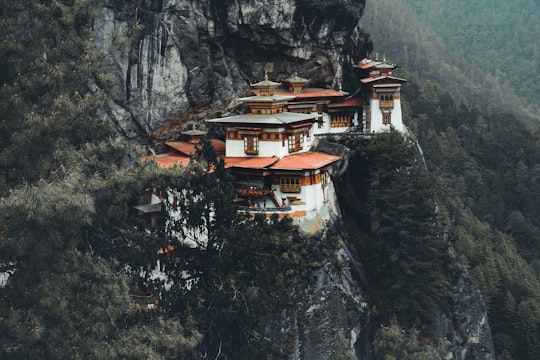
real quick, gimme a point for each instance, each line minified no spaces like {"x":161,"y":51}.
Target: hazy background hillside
{"x":500,"y":37}
{"x":485,"y":52}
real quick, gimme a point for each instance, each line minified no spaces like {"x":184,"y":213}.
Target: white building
{"x":382,"y":96}
{"x":268,"y":151}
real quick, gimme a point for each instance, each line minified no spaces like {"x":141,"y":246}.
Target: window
{"x":387,"y":118}
{"x":340,"y":120}
{"x":290,"y":184}
{"x":296,"y":142}
{"x":251,"y":144}
{"x":386,"y":101}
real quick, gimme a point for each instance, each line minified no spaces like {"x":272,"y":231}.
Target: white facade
{"x":327,"y":127}
{"x":266,"y":148}
{"x":376,"y":115}
{"x":309,"y":208}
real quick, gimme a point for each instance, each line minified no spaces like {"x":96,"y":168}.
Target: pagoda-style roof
{"x":265,"y":83}
{"x":188,"y":149}
{"x":182,"y":147}
{"x":250,"y":162}
{"x":265,"y":87}
{"x":313,"y":93}
{"x":367,"y":64}
{"x":296,"y":79}
{"x":283,"y":118}
{"x":383,"y":79}
{"x":267,"y":99}
{"x":305,"y":161}
{"x":351,"y":102}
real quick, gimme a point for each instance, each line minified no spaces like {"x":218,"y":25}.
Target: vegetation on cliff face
{"x":80,"y":260}
{"x":406,"y":256}
{"x":485,"y":171}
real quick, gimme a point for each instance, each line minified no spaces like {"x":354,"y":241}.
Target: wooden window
{"x":296,"y":142}
{"x":340,"y":120}
{"x":290,"y":184}
{"x":386,"y":101}
{"x":387,"y":118}
{"x":251,"y":144}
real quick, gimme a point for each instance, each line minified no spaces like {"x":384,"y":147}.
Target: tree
{"x":413,"y":263}
{"x":49,"y":69}
{"x":64,"y":202}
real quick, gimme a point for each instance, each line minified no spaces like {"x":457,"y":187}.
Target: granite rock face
{"x":193,"y":57}
{"x":189,"y":59}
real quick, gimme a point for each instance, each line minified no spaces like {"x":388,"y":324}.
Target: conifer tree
{"x":49,"y":69}
{"x":412,"y":257}
{"x":61,"y":195}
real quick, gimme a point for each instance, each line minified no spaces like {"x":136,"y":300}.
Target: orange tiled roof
{"x":250,"y":162}
{"x":347,"y":103}
{"x":219,"y":145}
{"x":305,"y":161}
{"x":308,"y":93}
{"x":182,"y":146}
{"x":189,"y":149}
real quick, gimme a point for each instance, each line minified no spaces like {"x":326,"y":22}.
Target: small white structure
{"x":382,"y":96}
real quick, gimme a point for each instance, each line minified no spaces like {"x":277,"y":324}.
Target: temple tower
{"x":382,"y":92}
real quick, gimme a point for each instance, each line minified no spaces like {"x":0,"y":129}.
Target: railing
{"x":258,"y":192}
{"x":290,"y":188}
{"x":264,"y":209}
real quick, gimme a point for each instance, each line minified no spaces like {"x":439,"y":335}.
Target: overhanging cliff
{"x":175,"y":58}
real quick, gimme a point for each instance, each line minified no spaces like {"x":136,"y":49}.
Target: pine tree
{"x":49,"y":70}
{"x":413,"y":259}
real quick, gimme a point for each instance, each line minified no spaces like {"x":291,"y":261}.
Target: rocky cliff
{"x":180,"y":60}
{"x":187,"y":58}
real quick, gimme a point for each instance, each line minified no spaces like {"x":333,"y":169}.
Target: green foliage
{"x":492,"y":35}
{"x":394,"y":343}
{"x":406,"y":255}
{"x":487,"y":191}
{"x":48,"y":100}
{"x":460,"y":45}
{"x":66,"y":210}
{"x":243,"y":272}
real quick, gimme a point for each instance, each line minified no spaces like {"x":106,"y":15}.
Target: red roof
{"x":352,"y":102}
{"x":308,"y":93}
{"x":189,"y":149}
{"x":317,"y":93}
{"x":250,"y":162}
{"x":305,"y":161}
{"x":219,"y":145}
{"x":182,"y":147}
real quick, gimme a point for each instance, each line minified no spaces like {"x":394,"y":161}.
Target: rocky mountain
{"x":175,"y":61}
{"x":186,"y":59}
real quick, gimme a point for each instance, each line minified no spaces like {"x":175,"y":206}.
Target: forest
{"x":467,"y":63}
{"x":80,"y":261}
